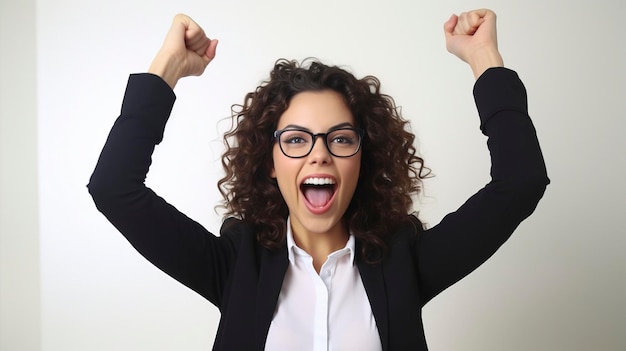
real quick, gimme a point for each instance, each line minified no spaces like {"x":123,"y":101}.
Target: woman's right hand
{"x":186,"y":51}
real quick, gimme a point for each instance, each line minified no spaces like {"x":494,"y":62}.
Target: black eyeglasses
{"x":340,"y":142}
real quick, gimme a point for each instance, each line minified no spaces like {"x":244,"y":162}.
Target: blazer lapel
{"x":273,"y":266}
{"x":374,"y":283}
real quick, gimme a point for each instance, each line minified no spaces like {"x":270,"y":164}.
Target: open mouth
{"x":318,"y":191}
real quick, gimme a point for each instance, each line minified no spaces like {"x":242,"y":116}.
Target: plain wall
{"x":71,"y":282}
{"x":20,"y":307}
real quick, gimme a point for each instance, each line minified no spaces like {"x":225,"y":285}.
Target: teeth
{"x":318,"y":181}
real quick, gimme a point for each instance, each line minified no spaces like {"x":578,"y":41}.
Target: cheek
{"x":284,"y":169}
{"x":351,"y":171}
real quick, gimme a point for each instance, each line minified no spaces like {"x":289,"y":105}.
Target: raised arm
{"x":170,"y":240}
{"x":466,"y":238}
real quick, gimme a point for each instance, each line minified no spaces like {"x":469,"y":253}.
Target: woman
{"x":320,"y":251}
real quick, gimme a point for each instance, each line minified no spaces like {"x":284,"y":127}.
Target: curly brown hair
{"x":391,"y":172}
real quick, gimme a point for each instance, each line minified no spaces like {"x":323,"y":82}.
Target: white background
{"x":71,"y":282}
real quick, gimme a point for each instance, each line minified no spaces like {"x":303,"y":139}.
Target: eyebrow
{"x":340,"y":125}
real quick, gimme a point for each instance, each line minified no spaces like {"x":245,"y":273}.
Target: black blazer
{"x":244,"y":280}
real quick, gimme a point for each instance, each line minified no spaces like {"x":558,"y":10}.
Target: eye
{"x":294,"y":140}
{"x":294,"y":137}
{"x":343,"y":137}
{"x":342,"y":140}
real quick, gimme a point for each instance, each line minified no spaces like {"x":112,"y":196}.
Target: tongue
{"x":318,"y":196}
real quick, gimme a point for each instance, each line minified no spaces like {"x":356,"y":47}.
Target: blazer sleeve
{"x":466,"y":238}
{"x":170,"y":240}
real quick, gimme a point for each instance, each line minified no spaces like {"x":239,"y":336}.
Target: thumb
{"x":448,"y":26}
{"x":211,"y":50}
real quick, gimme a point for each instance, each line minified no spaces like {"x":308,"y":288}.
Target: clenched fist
{"x":186,"y":51}
{"x":471,"y":36}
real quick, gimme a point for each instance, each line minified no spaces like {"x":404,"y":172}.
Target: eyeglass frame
{"x":279,"y":132}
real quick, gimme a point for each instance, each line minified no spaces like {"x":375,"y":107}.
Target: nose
{"x":319,"y":153}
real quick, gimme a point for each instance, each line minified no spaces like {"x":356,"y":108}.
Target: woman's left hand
{"x":471,"y":36}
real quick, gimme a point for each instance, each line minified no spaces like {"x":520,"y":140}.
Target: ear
{"x":273,"y":173}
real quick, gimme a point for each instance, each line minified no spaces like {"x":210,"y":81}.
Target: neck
{"x":320,"y":245}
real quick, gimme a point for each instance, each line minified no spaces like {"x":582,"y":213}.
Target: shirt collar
{"x":292,"y":248}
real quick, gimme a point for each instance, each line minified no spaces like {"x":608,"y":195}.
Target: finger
{"x":448,"y":29}
{"x":481,"y":12}
{"x":193,"y":35}
{"x":198,"y":45}
{"x":460,"y":24}
{"x":475,"y":19}
{"x":195,"y":39}
{"x":448,"y":26}
{"x":180,"y":24}
{"x":211,"y":50}
{"x":469,"y":22}
{"x":463,"y":24}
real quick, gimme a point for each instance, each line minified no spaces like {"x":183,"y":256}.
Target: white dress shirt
{"x":325,"y":312}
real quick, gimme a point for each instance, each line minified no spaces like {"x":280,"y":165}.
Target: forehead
{"x":317,"y":111}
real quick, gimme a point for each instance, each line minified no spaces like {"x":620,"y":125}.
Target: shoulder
{"x":405,"y":237}
{"x":237,"y":230}
{"x":408,"y":230}
{"x":241,"y":235}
